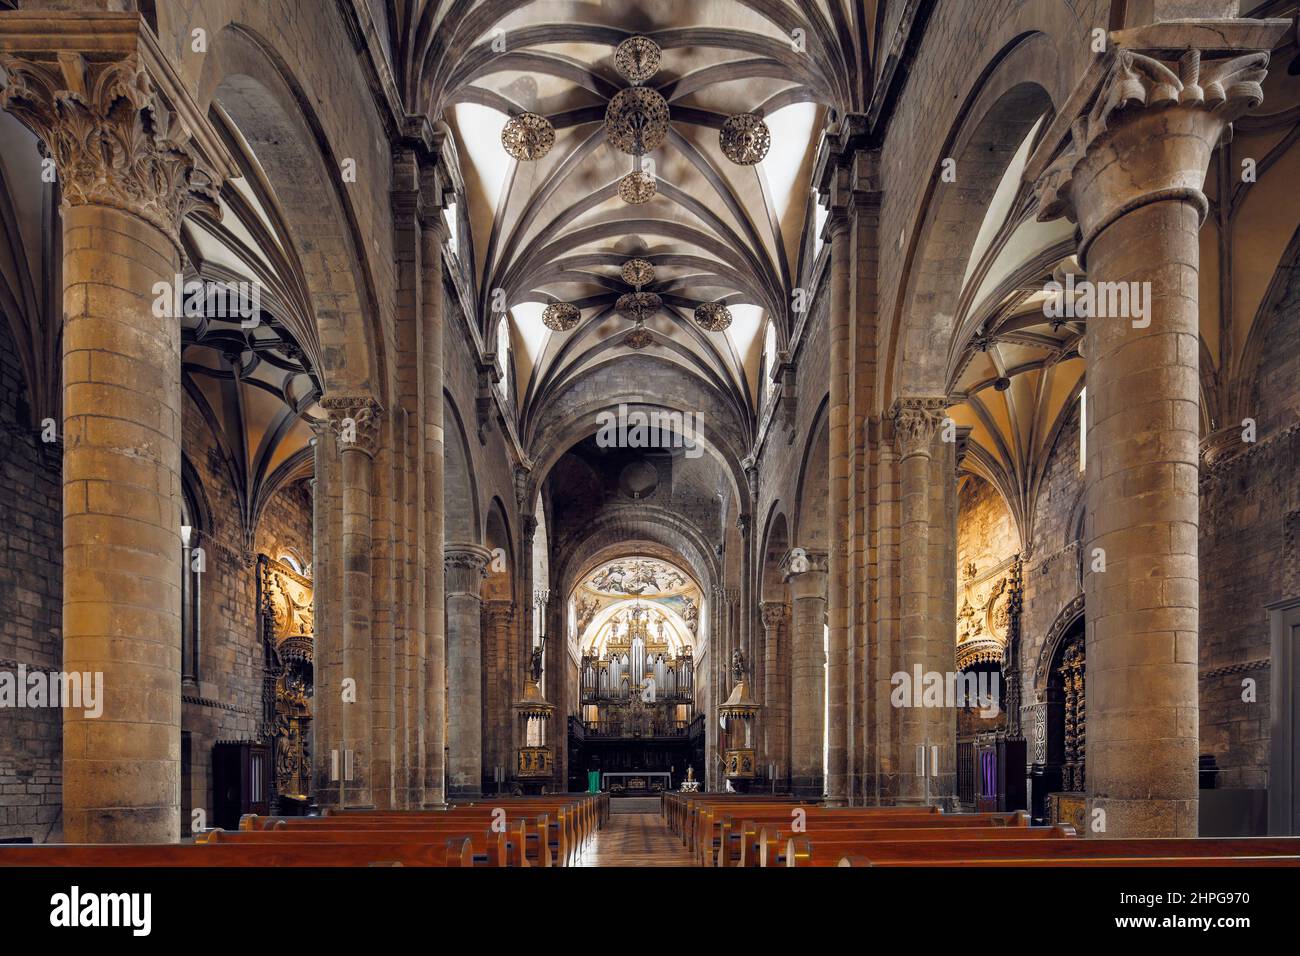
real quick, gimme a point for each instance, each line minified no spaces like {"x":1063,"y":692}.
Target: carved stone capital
{"x":1143,"y":123}
{"x":799,"y":561}
{"x":465,"y":565}
{"x":498,"y":613}
{"x":774,"y":613}
{"x":355,"y":420}
{"x":915,"y":422}
{"x":121,"y":127}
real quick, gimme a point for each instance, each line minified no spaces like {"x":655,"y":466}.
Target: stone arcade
{"x":880,"y":407}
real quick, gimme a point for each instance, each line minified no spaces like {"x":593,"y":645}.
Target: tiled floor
{"x":635,"y":839}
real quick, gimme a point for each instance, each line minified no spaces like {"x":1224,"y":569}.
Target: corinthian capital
{"x":120,"y":126}
{"x":355,"y":421}
{"x":1142,"y":124}
{"x":915,"y":422}
{"x":774,"y":613}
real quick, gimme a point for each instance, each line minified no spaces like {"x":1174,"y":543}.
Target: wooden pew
{"x":570,"y":821}
{"x":1146,"y":861}
{"x":506,"y":848}
{"x":719,"y":828}
{"x":454,"y":853}
{"x":767,"y":847}
{"x":539,"y":836}
{"x":805,"y":851}
{"x":683,"y":810}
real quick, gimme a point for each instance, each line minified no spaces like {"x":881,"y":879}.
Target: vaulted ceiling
{"x":556,"y":230}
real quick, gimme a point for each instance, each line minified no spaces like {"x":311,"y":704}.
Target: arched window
{"x":769,"y":362}
{"x":193,"y":563}
{"x":503,"y":354}
{"x":450,"y":215}
{"x":1083,"y":428}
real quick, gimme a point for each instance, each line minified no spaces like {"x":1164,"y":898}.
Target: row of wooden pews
{"x":735,"y":830}
{"x":509,"y":831}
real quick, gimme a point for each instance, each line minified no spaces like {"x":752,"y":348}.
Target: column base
{"x":807,"y":787}
{"x":1136,"y":819}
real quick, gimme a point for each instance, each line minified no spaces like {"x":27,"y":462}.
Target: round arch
{"x":1012,"y":94}
{"x":246,"y":81}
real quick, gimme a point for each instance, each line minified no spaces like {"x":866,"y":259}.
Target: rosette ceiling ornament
{"x":636,"y":121}
{"x":560,"y":316}
{"x":638,"y":305}
{"x":528,"y":136}
{"x":745,"y":139}
{"x":713,"y":316}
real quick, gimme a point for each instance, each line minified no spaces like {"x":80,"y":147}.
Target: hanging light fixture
{"x":745,"y":139}
{"x":637,"y":187}
{"x":528,"y":136}
{"x":639,"y":337}
{"x":636,"y":120}
{"x":713,"y":316}
{"x":637,"y":272}
{"x":560,"y":316}
{"x":637,"y":58}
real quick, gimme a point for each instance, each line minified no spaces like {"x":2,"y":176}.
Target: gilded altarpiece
{"x":288,"y":634}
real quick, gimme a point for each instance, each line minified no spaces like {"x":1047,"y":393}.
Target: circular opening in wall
{"x":1002,"y":384}
{"x":639,"y":479}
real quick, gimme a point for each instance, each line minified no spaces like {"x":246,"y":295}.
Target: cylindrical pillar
{"x":776,"y":702}
{"x":355,"y":420}
{"x":807,"y":680}
{"x":121,"y":528}
{"x":1131,"y":174}
{"x":916,"y":421}
{"x":126,"y":185}
{"x":466,"y":564}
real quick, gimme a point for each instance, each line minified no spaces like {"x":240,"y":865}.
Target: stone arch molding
{"x":1014,"y":91}
{"x":555,"y":438}
{"x":250,"y":84}
{"x":1067,"y":618}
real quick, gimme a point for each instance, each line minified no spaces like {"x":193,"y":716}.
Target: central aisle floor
{"x":635,"y":839}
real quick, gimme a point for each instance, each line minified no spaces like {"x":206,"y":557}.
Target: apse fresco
{"x":617,"y":589}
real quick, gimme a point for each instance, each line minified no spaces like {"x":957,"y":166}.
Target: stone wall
{"x":31,"y":607}
{"x":986,"y":535}
{"x":1250,"y":520}
{"x":226,"y":702}
{"x":1052,"y":576}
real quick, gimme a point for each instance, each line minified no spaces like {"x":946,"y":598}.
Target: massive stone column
{"x":326,"y":724}
{"x":355,"y":419}
{"x":806,"y":578}
{"x":941,"y":656}
{"x":466,"y":564}
{"x":916,"y":421}
{"x":1127,"y":160}
{"x":133,"y":156}
{"x":776,"y":700}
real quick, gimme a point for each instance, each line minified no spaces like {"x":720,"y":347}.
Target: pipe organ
{"x":638,"y":687}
